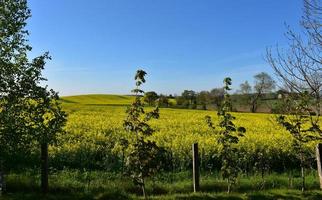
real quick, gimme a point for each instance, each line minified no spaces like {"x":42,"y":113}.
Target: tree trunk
{"x":254,"y":102}
{"x":319,"y":162}
{"x":172,"y":166}
{"x":2,"y":179}
{"x":303,"y":179}
{"x":123,"y":156}
{"x":44,"y":168}
{"x":263,"y":174}
{"x":143,"y":189}
{"x":253,"y":108}
{"x":318,"y":105}
{"x":302,"y":172}
{"x":262,"y":168}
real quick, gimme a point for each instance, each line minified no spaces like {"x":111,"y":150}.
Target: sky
{"x":97,"y":45}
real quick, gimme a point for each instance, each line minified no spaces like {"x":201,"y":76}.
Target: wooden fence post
{"x":319,"y":164}
{"x":195,"y":167}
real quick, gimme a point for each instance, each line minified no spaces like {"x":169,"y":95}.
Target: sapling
{"x":228,"y":136}
{"x":301,"y":123}
{"x":143,"y":155}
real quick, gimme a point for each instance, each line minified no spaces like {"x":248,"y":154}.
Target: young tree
{"x":150,"y":97}
{"x":300,"y":123}
{"x":27,"y":110}
{"x":263,"y":84}
{"x":144,"y":156}
{"x":45,"y":121}
{"x":228,"y":136}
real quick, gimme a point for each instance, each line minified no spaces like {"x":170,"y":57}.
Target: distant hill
{"x":98,"y":99}
{"x":239,"y":104}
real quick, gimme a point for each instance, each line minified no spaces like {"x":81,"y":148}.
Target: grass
{"x":102,"y":100}
{"x":263,"y":195}
{"x":67,"y":184}
{"x":99,"y":99}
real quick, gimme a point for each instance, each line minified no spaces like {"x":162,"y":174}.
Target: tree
{"x":144,"y":156}
{"x":245,"y":88}
{"x":228,"y":135}
{"x":299,"y":66}
{"x":263,"y":84}
{"x":163,"y":101}
{"x":203,"y":99}
{"x":302,"y":126}
{"x":28,"y":111}
{"x":245,"y":93}
{"x":150,"y":97}
{"x":13,"y":64}
{"x":190,"y":98}
{"x":299,"y":69}
{"x":46,"y":120}
{"x":217,"y":96}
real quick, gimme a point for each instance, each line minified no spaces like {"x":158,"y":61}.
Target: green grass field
{"x":109,"y":186}
{"x":99,"y":99}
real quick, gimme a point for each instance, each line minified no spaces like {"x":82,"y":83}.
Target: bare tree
{"x":245,"y":93}
{"x":245,"y":88}
{"x":263,"y":84}
{"x":299,"y":66}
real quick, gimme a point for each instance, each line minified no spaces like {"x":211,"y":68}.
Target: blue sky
{"x":96,"y":46}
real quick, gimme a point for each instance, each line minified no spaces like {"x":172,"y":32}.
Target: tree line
{"x":247,"y":96}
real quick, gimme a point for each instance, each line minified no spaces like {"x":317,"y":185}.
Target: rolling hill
{"x":98,"y":99}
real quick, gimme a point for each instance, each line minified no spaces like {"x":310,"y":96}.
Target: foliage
{"x":150,"y":97}
{"x":227,"y":138}
{"x":203,"y":99}
{"x":163,"y":101}
{"x":188,"y":99}
{"x":14,"y":69}
{"x":245,"y":88}
{"x":28,"y":112}
{"x":217,"y":96}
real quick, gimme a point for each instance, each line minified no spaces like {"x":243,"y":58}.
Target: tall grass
{"x":72,"y":184}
